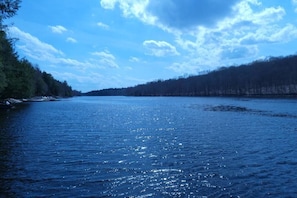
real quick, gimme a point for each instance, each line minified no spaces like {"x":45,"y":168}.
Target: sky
{"x":99,"y":44}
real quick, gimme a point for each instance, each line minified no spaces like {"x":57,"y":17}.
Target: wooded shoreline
{"x":273,"y":77}
{"x":19,"y":78}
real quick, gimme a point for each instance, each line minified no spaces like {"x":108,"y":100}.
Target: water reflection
{"x":148,"y":148}
{"x":10,"y":148}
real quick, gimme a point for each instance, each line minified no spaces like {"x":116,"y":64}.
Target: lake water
{"x":150,"y":147}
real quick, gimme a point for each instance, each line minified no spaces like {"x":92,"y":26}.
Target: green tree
{"x":41,"y":87}
{"x":7,"y":59}
{"x":18,"y":78}
{"x":8,"y":8}
{"x":3,"y":83}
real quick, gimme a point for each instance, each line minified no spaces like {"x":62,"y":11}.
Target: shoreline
{"x":256,"y":96}
{"x":10,"y":103}
{"x":41,"y":99}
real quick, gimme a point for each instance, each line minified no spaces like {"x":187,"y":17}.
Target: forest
{"x":275,"y":76}
{"x":18,"y":77}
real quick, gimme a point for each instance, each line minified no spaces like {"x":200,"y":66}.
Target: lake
{"x":150,"y":147}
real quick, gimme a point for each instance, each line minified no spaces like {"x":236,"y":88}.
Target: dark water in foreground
{"x":150,"y":147}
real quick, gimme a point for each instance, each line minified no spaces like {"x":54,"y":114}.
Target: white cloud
{"x":84,"y":81}
{"x":234,"y":40}
{"x":134,"y":59}
{"x":184,"y":68}
{"x":33,"y":47}
{"x":103,"y":25}
{"x":264,"y":17}
{"x":285,"y":34}
{"x":186,"y":13}
{"x":38,"y":50}
{"x":108,"y":4}
{"x":160,"y":48}
{"x":104,"y":54}
{"x":72,"y":62}
{"x":179,"y":14}
{"x":256,"y":27}
{"x":58,"y":29}
{"x":131,"y":8}
{"x":230,"y":34}
{"x":273,"y":34}
{"x":85,"y":78}
{"x":106,"y":59}
{"x":71,"y":40}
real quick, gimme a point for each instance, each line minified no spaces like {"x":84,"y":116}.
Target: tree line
{"x":275,"y":76}
{"x":18,"y":77}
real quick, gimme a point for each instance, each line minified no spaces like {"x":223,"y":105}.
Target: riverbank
{"x":41,"y":99}
{"x":10,"y":103}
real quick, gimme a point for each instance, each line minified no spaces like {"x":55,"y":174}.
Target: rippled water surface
{"x":150,"y":147}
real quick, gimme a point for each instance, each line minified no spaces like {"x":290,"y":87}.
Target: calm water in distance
{"x":150,"y":147}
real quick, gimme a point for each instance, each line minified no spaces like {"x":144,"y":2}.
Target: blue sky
{"x":97,"y":44}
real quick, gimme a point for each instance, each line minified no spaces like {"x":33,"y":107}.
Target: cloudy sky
{"x":97,"y":44}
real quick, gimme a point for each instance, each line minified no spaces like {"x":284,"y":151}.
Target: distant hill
{"x":276,"y":76}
